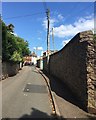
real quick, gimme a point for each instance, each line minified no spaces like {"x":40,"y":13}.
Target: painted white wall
{"x":34,"y":60}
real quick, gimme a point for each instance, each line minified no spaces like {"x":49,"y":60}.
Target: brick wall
{"x":75,"y":65}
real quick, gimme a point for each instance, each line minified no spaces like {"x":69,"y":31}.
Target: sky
{"x":30,"y":21}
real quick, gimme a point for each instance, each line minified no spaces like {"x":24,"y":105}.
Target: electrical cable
{"x":45,"y":5}
{"x":78,"y":12}
{"x":23,"y":16}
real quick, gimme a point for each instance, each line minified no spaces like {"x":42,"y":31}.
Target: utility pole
{"x":48,"y":31}
{"x":36,"y":50}
{"x":53,"y":39}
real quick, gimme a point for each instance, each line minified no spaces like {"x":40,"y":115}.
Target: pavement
{"x":26,"y":96}
{"x":66,"y":105}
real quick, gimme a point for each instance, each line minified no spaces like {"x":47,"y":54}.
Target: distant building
{"x":27,"y":60}
{"x":50,"y":52}
{"x":31,"y":59}
{"x":34,"y":58}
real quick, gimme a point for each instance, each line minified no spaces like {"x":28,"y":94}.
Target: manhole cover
{"x":35,"y":88}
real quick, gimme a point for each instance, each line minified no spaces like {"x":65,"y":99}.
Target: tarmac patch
{"x":35,"y":88}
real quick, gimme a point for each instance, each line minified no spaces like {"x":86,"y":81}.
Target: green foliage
{"x":14,"y":48}
{"x":5,"y":53}
{"x":10,"y":28}
{"x":16,"y":57}
{"x":23,"y":47}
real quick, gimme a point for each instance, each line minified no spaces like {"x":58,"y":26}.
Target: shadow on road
{"x":35,"y":114}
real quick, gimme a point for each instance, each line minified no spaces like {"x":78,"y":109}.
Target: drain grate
{"x":35,"y":88}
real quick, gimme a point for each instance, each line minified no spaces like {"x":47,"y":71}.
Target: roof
{"x":33,"y":54}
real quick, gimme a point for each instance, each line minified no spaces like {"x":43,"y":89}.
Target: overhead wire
{"x":78,"y":12}
{"x":74,"y":6}
{"x":28,"y":15}
{"x":45,"y":5}
{"x":45,"y":8}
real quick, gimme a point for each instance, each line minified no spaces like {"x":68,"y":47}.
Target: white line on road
{"x":25,"y":94}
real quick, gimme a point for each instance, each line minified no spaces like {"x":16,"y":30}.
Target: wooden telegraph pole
{"x":53,"y":38}
{"x":48,"y":31}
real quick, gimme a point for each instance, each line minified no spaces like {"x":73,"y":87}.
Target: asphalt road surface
{"x":25,"y":95}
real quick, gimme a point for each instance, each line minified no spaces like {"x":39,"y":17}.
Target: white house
{"x":34,"y":58}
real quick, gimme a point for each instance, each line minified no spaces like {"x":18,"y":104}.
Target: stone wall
{"x":9,"y":69}
{"x":91,"y":75}
{"x":45,"y":64}
{"x":75,"y":65}
{"x":40,"y":63}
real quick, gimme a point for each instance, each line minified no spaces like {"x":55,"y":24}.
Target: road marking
{"x":29,"y":83}
{"x":25,"y":94}
{"x":27,"y":90}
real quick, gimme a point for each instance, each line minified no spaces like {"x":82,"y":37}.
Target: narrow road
{"x":25,"y":95}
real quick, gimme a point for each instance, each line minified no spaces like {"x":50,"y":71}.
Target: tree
{"x":23,"y":46}
{"x":13,"y":47}
{"x":5,"y":54}
{"x":10,"y":28}
{"x":16,"y":57}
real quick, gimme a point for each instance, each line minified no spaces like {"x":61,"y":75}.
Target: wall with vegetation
{"x":14,"y":49}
